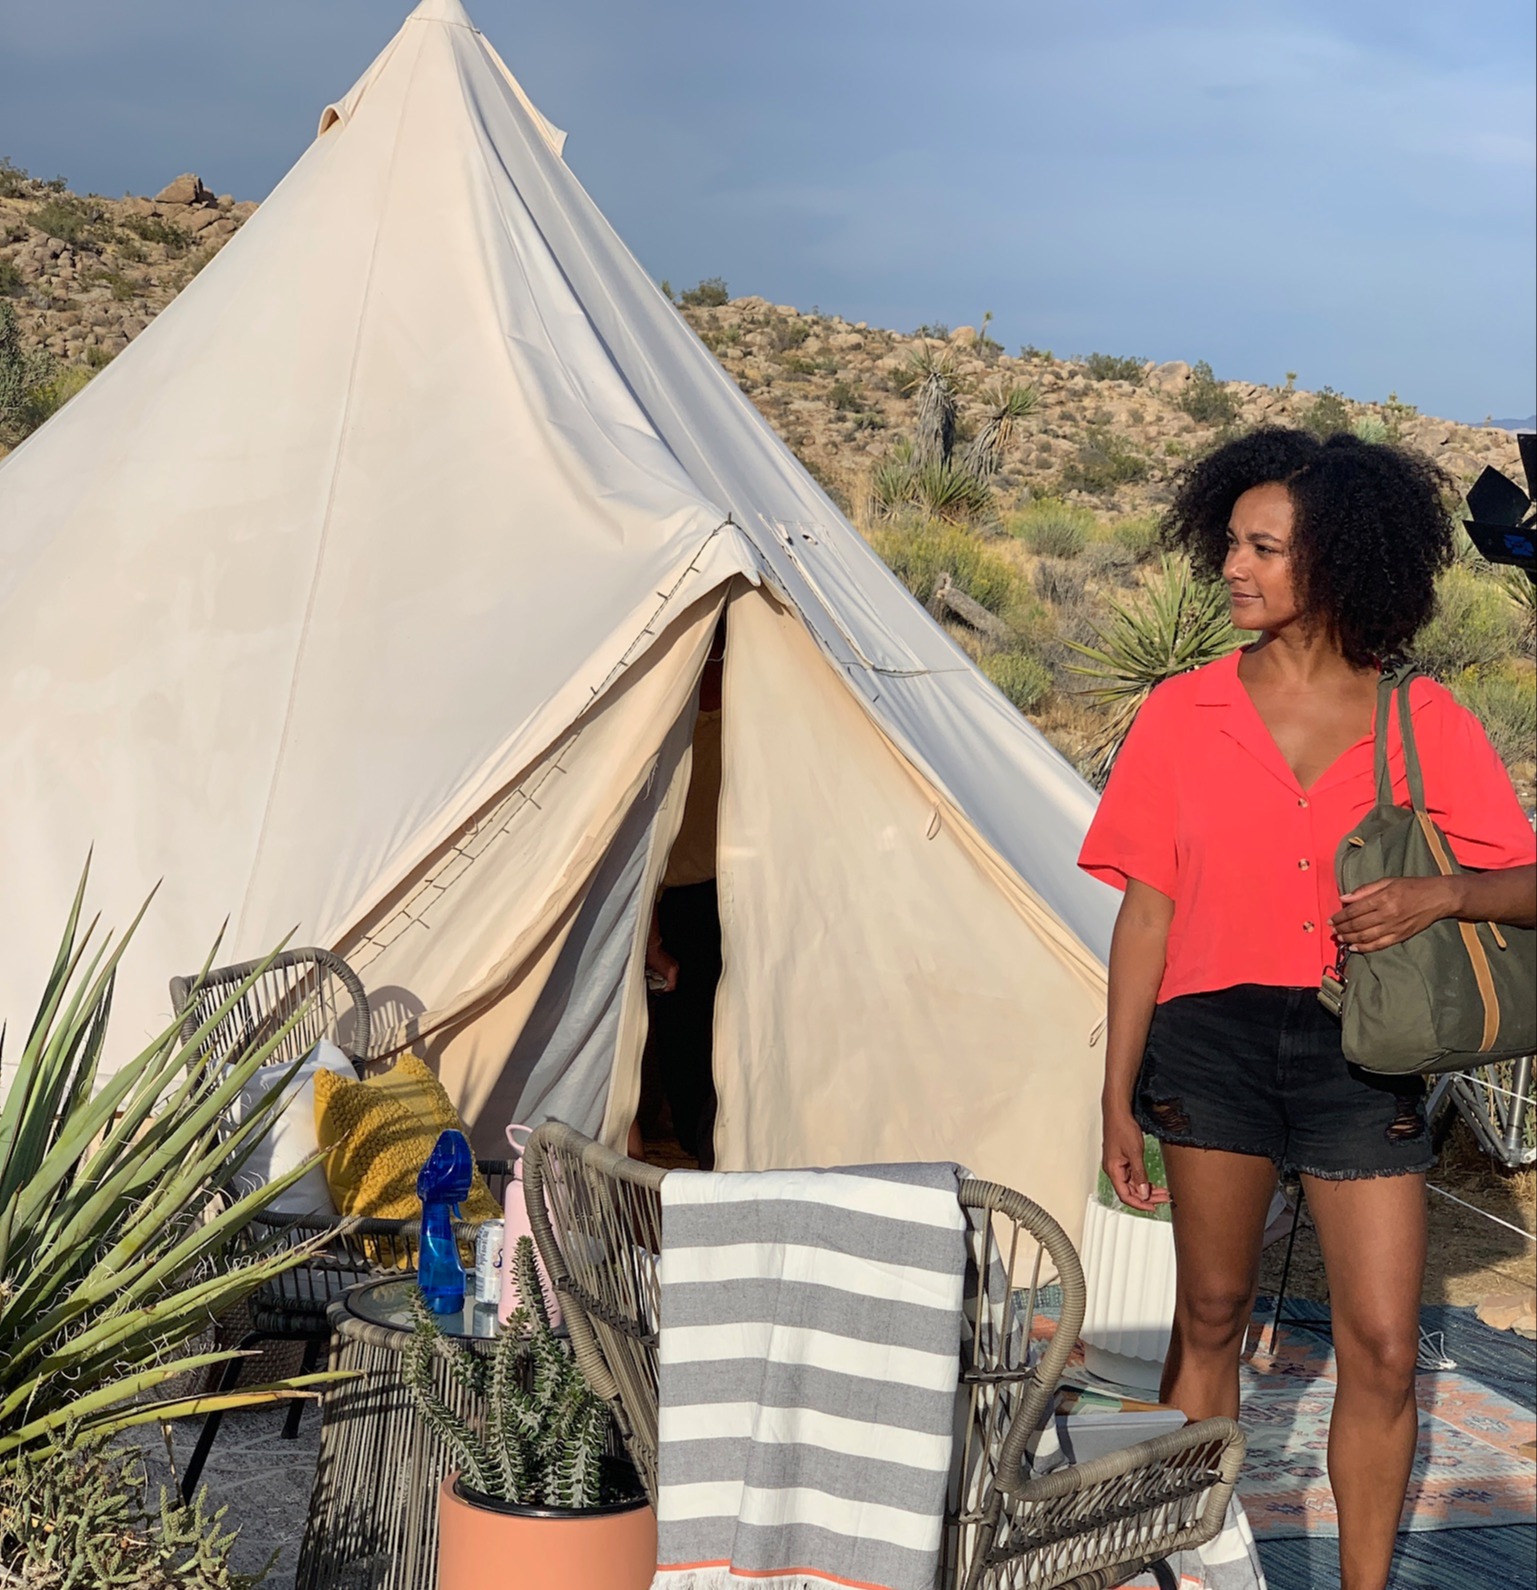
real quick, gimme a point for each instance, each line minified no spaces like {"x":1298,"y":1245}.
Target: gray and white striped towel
{"x":810,"y":1331}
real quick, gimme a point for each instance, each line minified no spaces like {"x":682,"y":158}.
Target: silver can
{"x":488,"y":1262}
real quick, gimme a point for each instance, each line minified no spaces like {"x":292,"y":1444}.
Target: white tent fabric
{"x":365,"y":594}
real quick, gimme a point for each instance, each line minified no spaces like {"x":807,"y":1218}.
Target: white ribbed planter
{"x":1128,"y":1266}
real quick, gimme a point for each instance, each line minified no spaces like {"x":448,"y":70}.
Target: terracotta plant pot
{"x":485,"y":1544}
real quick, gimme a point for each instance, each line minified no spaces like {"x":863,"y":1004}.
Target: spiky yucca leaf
{"x":930,"y":376}
{"x":119,"y":1225}
{"x":1178,"y":623}
{"x":1006,"y":404}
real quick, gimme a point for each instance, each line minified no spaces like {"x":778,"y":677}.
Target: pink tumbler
{"x":516,"y":1215}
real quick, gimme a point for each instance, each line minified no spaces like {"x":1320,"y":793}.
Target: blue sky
{"x":1342,"y":189}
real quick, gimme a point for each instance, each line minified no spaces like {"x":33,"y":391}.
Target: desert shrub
{"x":1059,"y":583}
{"x":1053,"y":528}
{"x":1140,"y":536}
{"x":1206,"y":400}
{"x":69,"y":219}
{"x":709,"y":294}
{"x":1031,"y":354}
{"x":1474,"y":624}
{"x":97,"y":357}
{"x":25,"y":376}
{"x":920,"y":551}
{"x":1505,"y":701}
{"x":846,"y":396}
{"x":156,"y":229}
{"x":1109,"y":560}
{"x":1104,"y":461}
{"x":78,"y":1517}
{"x":786,"y":334}
{"x":936,"y":331}
{"x":1024,"y":679}
{"x":14,"y":180}
{"x":1522,"y":594}
{"x":1115,"y":367}
{"x":1326,"y":415}
{"x":12,"y":284}
{"x":1369,"y":428}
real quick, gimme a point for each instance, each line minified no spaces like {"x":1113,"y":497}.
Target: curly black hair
{"x":1370,"y":530}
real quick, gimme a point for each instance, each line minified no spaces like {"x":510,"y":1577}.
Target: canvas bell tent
{"x":367,"y":595}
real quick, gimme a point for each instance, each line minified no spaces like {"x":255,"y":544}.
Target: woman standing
{"x":1220,"y":822}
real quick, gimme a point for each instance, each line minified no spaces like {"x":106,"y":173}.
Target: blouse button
{"x":1307,"y":927}
{"x":1304,"y":864}
{"x":1302,"y":800}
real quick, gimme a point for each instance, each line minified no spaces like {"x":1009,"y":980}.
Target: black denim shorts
{"x":1260,"y":1070}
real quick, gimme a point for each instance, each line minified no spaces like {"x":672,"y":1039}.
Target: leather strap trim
{"x":1471,"y":942}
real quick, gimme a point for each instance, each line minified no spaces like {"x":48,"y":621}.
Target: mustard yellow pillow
{"x":377,"y":1134}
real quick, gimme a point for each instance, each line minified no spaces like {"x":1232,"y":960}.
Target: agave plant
{"x":118,"y":1223}
{"x":545,"y":1430}
{"x":1179,"y":623}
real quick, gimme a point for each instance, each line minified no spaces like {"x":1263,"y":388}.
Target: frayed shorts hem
{"x":1284,"y":1166}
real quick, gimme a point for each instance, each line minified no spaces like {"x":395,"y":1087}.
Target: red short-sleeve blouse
{"x":1202,"y":806}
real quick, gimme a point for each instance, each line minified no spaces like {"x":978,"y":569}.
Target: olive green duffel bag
{"x":1458,"y":994}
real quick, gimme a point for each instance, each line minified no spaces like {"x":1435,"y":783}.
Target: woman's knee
{"x":1212,"y":1315}
{"x":1377,"y":1356}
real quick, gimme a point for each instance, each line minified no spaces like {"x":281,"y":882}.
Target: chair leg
{"x":311,"y":1362}
{"x":211,"y":1422}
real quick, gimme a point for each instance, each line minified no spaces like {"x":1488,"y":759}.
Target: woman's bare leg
{"x":1372,"y":1232}
{"x":1220,"y":1201}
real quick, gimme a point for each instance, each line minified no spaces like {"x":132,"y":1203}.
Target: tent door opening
{"x":675,"y":1122}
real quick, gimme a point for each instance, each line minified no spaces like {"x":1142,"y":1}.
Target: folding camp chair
{"x":597,"y":1219}
{"x":324,"y":998}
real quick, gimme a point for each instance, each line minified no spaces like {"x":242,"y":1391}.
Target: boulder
{"x":201,"y":219}
{"x":134,"y":205}
{"x":964,"y":336}
{"x":1169,"y":377}
{"x":186,"y":189}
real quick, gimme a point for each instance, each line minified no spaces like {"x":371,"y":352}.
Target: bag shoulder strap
{"x":1390,"y":685}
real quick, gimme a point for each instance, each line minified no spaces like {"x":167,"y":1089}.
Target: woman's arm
{"x":1394,"y":909}
{"x":1137,"y":950}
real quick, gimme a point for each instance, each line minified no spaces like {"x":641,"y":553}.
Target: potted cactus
{"x":533,"y":1480}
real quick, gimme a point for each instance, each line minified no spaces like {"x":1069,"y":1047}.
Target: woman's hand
{"x":1124,"y":1164}
{"x":1392,"y":910}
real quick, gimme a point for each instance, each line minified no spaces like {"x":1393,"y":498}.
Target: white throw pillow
{"x":290,"y":1139}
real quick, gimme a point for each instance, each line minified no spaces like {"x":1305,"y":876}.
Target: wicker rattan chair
{"x":597,"y":1219}
{"x":324,"y":998}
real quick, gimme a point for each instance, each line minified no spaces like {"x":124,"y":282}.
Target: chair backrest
{"x":324,"y":992}
{"x":597,"y":1219}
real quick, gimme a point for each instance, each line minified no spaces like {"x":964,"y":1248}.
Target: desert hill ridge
{"x":1025,"y":561}
{"x":84,"y":275}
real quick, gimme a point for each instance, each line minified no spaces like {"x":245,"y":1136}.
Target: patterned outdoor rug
{"x":1474,"y":1467}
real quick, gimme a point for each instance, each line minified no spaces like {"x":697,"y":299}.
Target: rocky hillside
{"x":1038,"y":527}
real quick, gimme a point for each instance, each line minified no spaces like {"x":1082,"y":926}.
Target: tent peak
{"x":450,"y":12}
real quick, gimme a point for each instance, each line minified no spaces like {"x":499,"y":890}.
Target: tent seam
{"x":325,"y":520}
{"x":535,"y":775}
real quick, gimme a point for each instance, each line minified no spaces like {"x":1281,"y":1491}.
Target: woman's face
{"x":1258,"y":564}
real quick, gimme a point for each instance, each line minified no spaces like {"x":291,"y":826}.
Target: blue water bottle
{"x":442,"y":1184}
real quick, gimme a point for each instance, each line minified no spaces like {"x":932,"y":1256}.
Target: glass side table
{"x":373,"y":1517}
